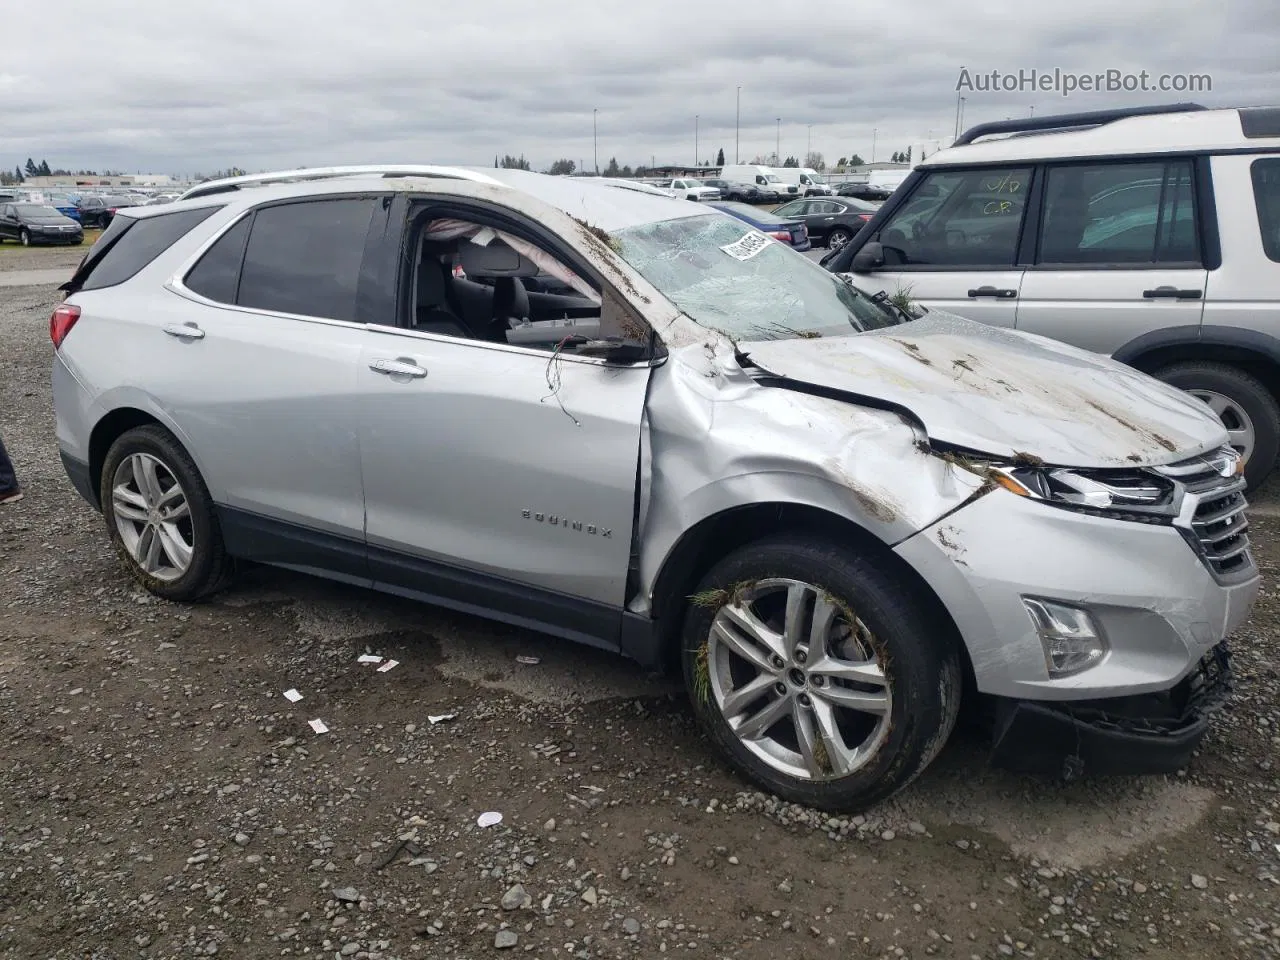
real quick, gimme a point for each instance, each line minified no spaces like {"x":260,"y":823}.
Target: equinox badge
{"x":577,"y":525}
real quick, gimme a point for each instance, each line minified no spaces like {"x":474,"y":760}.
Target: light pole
{"x":737,"y":123}
{"x":873,"y":144}
{"x":695,"y":139}
{"x":809,"y":147}
{"x":1033,"y":111}
{"x":777,"y":150}
{"x":959,"y":113}
{"x":595,"y":143}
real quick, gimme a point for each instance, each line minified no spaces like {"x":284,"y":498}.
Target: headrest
{"x":495,"y":259}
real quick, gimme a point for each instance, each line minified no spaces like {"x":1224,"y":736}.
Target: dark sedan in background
{"x":30,"y":223}
{"x":782,"y":229}
{"x":744,"y":192}
{"x":98,"y":211}
{"x":832,"y":221}
{"x":863,"y":191}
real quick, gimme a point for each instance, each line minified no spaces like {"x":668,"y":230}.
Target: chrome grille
{"x":1213,"y":516}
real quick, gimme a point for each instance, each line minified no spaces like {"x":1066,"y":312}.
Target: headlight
{"x":1132,"y":494}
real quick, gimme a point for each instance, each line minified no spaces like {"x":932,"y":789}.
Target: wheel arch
{"x":715,"y":536}
{"x":1255,"y":353}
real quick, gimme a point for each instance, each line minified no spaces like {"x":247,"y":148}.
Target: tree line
{"x":564,"y":167}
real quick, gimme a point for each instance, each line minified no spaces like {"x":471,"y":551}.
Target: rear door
{"x":256,"y":360}
{"x":953,"y":244}
{"x":1117,"y":254}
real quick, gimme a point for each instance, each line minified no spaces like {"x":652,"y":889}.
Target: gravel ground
{"x":160,"y":797}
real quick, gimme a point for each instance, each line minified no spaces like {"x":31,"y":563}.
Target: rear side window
{"x":137,"y":242}
{"x":217,"y":274}
{"x":1266,"y":194}
{"x":304,"y":258}
{"x":1120,"y":213}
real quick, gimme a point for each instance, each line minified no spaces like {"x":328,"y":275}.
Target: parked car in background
{"x":861,"y":190}
{"x":807,"y":181}
{"x":32,"y":223}
{"x":783,"y":229}
{"x":833,"y":221}
{"x":98,"y":211}
{"x":742,"y":192}
{"x":768,"y":182}
{"x":64,"y":204}
{"x":688,"y":188}
{"x":841,"y":524}
{"x":1150,"y":234}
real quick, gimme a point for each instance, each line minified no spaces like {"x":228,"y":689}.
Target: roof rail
{"x":1093,"y":118}
{"x":324,"y":173}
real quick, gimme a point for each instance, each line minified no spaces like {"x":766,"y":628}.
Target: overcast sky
{"x":178,"y":87}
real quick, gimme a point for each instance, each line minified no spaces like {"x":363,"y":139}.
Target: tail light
{"x":783,"y":235}
{"x":864,"y":217}
{"x":60,"y":324}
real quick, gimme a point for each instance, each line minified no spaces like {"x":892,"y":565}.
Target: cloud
{"x":179,"y":88}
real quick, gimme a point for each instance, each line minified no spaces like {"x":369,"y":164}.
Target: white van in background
{"x":807,"y":181}
{"x":763,"y":179}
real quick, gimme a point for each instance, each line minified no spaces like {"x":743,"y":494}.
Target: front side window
{"x":304,"y":258}
{"x":1120,"y":213}
{"x":959,"y":219}
{"x":733,"y":278}
{"x":1266,"y":195}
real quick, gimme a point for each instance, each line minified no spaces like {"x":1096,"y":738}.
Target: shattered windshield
{"x":733,"y":278}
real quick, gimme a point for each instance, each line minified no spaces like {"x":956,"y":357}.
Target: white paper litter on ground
{"x":318,"y":726}
{"x":292,"y":695}
{"x":531,"y":661}
{"x":369,"y":658}
{"x":389,"y":665}
{"x":443,"y":717}
{"x":491,"y":819}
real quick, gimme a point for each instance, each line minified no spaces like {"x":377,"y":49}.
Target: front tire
{"x":816,"y":674}
{"x":160,"y":516}
{"x":24,"y":238}
{"x":1244,"y":405}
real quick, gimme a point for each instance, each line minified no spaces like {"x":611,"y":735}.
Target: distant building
{"x":132,"y":180}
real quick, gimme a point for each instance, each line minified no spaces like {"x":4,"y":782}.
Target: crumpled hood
{"x":1002,"y":393}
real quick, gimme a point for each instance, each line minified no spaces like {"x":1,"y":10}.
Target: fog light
{"x":1071,"y":641}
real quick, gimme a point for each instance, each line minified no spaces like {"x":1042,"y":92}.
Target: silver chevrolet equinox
{"x":633,"y":422}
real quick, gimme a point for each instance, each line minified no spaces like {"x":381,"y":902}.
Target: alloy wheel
{"x":796,"y":676}
{"x":1240,"y":430}
{"x":153,"y":516}
{"x":837,"y":240}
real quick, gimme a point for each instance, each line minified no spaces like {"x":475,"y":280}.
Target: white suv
{"x":1150,"y":234}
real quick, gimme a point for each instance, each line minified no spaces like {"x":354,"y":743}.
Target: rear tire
{"x":1247,"y":408}
{"x":862,"y":699}
{"x":837,"y":238}
{"x":136,"y":508}
{"x":24,"y":238}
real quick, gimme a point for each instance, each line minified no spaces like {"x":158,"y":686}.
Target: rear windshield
{"x":130,"y":244}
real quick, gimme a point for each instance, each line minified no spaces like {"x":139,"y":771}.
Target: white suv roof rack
{"x":324,"y":173}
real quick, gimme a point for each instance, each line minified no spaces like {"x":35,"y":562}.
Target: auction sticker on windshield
{"x":747,"y":247}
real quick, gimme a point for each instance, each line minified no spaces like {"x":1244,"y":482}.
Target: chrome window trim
{"x":176,"y":284}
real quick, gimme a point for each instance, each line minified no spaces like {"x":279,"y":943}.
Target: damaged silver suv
{"x":639,"y":424}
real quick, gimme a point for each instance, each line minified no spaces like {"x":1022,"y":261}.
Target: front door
{"x":497,"y":476}
{"x":1118,"y":255}
{"x":953,"y":244}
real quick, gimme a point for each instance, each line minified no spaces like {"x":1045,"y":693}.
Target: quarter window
{"x":959,"y":219}
{"x":1120,"y":213}
{"x":1266,"y":194}
{"x":217,"y":274}
{"x":304,"y":258}
{"x":134,"y":243}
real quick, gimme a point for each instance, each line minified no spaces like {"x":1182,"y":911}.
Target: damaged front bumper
{"x":1144,"y":734}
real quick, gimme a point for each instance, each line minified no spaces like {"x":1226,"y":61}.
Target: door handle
{"x":184,"y":331}
{"x":998,"y":294}
{"x":1171,"y":293}
{"x":397,"y":368}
